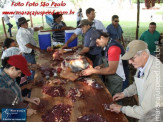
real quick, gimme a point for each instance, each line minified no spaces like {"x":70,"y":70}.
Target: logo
{"x":127,"y":49}
{"x":13,"y":114}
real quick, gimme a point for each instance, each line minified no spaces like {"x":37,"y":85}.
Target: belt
{"x":32,"y":52}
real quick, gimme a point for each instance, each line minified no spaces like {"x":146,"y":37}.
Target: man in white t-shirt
{"x":90,"y":12}
{"x":26,"y":42}
{"x":7,"y":21}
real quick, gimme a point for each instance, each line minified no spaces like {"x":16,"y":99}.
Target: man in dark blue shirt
{"x":114,"y":29}
{"x":92,"y":52}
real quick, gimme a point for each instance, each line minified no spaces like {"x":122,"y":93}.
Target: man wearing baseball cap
{"x":93,"y":52}
{"x":12,"y":68}
{"x":148,"y":81}
{"x":91,"y":14}
{"x":26,"y":42}
{"x":114,"y":69}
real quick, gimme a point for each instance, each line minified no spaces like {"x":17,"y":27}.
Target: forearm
{"x":71,"y":38}
{"x":84,"y":51}
{"x":32,"y":46}
{"x":104,"y":71}
{"x":131,"y":90}
{"x":37,"y":29}
{"x":135,"y":111}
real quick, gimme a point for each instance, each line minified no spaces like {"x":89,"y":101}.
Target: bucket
{"x":68,"y":34}
{"x":44,"y":40}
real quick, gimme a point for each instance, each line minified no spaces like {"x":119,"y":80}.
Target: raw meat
{"x":53,"y":91}
{"x":59,"y":113}
{"x":74,"y":94}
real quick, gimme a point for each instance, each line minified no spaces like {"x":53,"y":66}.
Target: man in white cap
{"x":148,"y":81}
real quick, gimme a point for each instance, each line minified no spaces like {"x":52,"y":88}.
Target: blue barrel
{"x":68,"y":34}
{"x":44,"y":40}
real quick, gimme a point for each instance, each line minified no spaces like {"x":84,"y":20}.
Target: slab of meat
{"x":92,"y":118}
{"x":59,"y":113}
{"x":77,"y":63}
{"x":57,"y":55}
{"x":74,"y":94}
{"x":53,"y":91}
{"x":67,"y":74}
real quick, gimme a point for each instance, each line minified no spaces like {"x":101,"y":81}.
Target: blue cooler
{"x":44,"y":40}
{"x":68,"y":34}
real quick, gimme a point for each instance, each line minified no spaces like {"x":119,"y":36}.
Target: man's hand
{"x":118,"y":96}
{"x":34,"y":100}
{"x":41,"y":28}
{"x":88,"y":72}
{"x":30,"y":112}
{"x":115,"y":108}
{"x":65,"y":46}
{"x":97,"y":67}
{"x":34,"y":66}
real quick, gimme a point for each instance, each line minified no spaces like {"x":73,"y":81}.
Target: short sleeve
{"x":78,"y":31}
{"x":114,"y":53}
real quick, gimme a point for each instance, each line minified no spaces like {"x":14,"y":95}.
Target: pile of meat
{"x":92,"y":83}
{"x":53,"y":91}
{"x":75,"y":93}
{"x":92,"y":118}
{"x":59,"y":113}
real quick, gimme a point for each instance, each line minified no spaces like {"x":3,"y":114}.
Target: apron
{"x":114,"y":83}
{"x":139,"y":85}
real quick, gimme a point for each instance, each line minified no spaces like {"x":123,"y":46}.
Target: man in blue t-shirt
{"x":114,"y":29}
{"x":92,"y":52}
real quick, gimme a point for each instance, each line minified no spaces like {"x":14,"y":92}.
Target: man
{"x":79,"y":16}
{"x":113,"y":68}
{"x":26,"y":42}
{"x":58,"y":25}
{"x":114,"y":30}
{"x":90,"y":13}
{"x":151,"y":37}
{"x":148,"y":81}
{"x":94,"y":52}
{"x":7,"y":21}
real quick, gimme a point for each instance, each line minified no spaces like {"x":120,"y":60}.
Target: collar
{"x":142,"y":69}
{"x":8,"y":80}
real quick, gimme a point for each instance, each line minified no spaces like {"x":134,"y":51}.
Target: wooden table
{"x":91,"y":104}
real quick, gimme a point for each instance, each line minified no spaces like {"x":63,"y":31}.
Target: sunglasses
{"x":116,"y":21}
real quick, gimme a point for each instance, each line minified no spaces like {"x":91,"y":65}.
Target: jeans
{"x":17,"y":25}
{"x":9,"y":28}
{"x":30,"y":59}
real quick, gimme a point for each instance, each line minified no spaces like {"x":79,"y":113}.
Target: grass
{"x":129,"y":27}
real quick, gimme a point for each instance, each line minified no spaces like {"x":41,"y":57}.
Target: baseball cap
{"x":19,"y":62}
{"x":96,"y":34}
{"x":84,"y":22}
{"x":133,"y":47}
